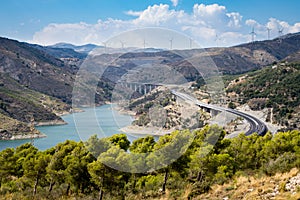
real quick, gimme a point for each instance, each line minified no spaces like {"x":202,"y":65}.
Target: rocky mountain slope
{"x":20,"y":105}
{"x":36,"y":82}
{"x":276,"y":88}
{"x":232,"y":60}
{"x":255,"y":55}
{"x":36,"y":69}
{"x":60,"y":52}
{"x":250,"y":56}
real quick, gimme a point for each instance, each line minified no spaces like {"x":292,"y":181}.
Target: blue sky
{"x":226,"y":22}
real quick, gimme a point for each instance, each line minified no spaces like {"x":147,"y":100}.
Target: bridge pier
{"x":145,"y":89}
{"x":139,"y":87}
{"x":213,"y":113}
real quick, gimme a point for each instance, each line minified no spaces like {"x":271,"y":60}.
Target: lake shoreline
{"x":144,"y":131}
{"x":24,"y":137}
{"x":51,"y":123}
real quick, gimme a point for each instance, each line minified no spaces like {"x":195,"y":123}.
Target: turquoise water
{"x":103,"y":121}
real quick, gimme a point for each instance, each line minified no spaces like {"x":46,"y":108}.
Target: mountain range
{"x":38,"y":80}
{"x":229,"y":60}
{"x":84,"y":49}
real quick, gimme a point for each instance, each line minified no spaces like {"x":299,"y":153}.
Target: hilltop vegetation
{"x":275,"y":87}
{"x":70,"y":169}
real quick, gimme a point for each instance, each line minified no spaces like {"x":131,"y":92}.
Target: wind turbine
{"x":217,"y":39}
{"x":105,"y":45}
{"x":253,"y":34}
{"x":269,"y":30}
{"x":122,"y":44}
{"x":191,"y":43}
{"x":280,"y":31}
{"x":171,"y":43}
{"x":144,"y":43}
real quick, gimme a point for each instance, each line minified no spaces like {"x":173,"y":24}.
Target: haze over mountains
{"x":38,"y":80}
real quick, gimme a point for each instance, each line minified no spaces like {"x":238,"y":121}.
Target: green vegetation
{"x":70,"y":169}
{"x":273,"y":87}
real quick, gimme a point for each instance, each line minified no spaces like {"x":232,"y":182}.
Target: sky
{"x":209,"y":22}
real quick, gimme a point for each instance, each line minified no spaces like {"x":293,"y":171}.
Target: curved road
{"x":256,"y":125}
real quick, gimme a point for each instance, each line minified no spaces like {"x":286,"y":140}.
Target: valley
{"x":45,"y":92}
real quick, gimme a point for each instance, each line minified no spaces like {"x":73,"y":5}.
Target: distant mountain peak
{"x":86,"y":48}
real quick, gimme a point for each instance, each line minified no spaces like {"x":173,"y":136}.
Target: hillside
{"x":18,"y":105}
{"x":59,"y":52}
{"x":37,"y":82}
{"x":293,"y":58}
{"x":36,"y":69}
{"x":276,"y":88}
{"x":279,"y":186}
{"x":14,"y":129}
{"x":231,"y":60}
{"x":20,"y":102}
{"x":161,"y":110}
{"x":252,"y":56}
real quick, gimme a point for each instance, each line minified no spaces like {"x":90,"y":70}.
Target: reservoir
{"x":104,"y":121}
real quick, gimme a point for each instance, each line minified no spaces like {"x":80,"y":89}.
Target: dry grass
{"x":251,"y":188}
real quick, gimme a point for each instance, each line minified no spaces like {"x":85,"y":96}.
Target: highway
{"x":256,"y":125}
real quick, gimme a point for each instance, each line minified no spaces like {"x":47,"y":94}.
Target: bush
{"x":283,"y":163}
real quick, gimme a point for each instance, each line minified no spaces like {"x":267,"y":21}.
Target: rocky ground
{"x":165,"y":118}
{"x":11,"y":129}
{"x":278,"y":187}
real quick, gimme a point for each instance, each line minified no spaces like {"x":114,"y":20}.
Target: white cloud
{"x":235,"y":20}
{"x":156,"y":15}
{"x":203,"y":24}
{"x":133,"y":13}
{"x":174,"y":2}
{"x":275,"y":27}
{"x":207,"y":11}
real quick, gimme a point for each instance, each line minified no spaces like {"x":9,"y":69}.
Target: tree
{"x":106,"y":174}
{"x":143,"y":145}
{"x":120,"y":140}
{"x":220,"y":167}
{"x":97,"y":171}
{"x":199,"y":160}
{"x":169,"y":153}
{"x":231,"y":105}
{"x":97,"y":146}
{"x":56,"y":167}
{"x":35,"y":167}
{"x":20,"y":155}
{"x":76,"y":163}
{"x":7,"y":164}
